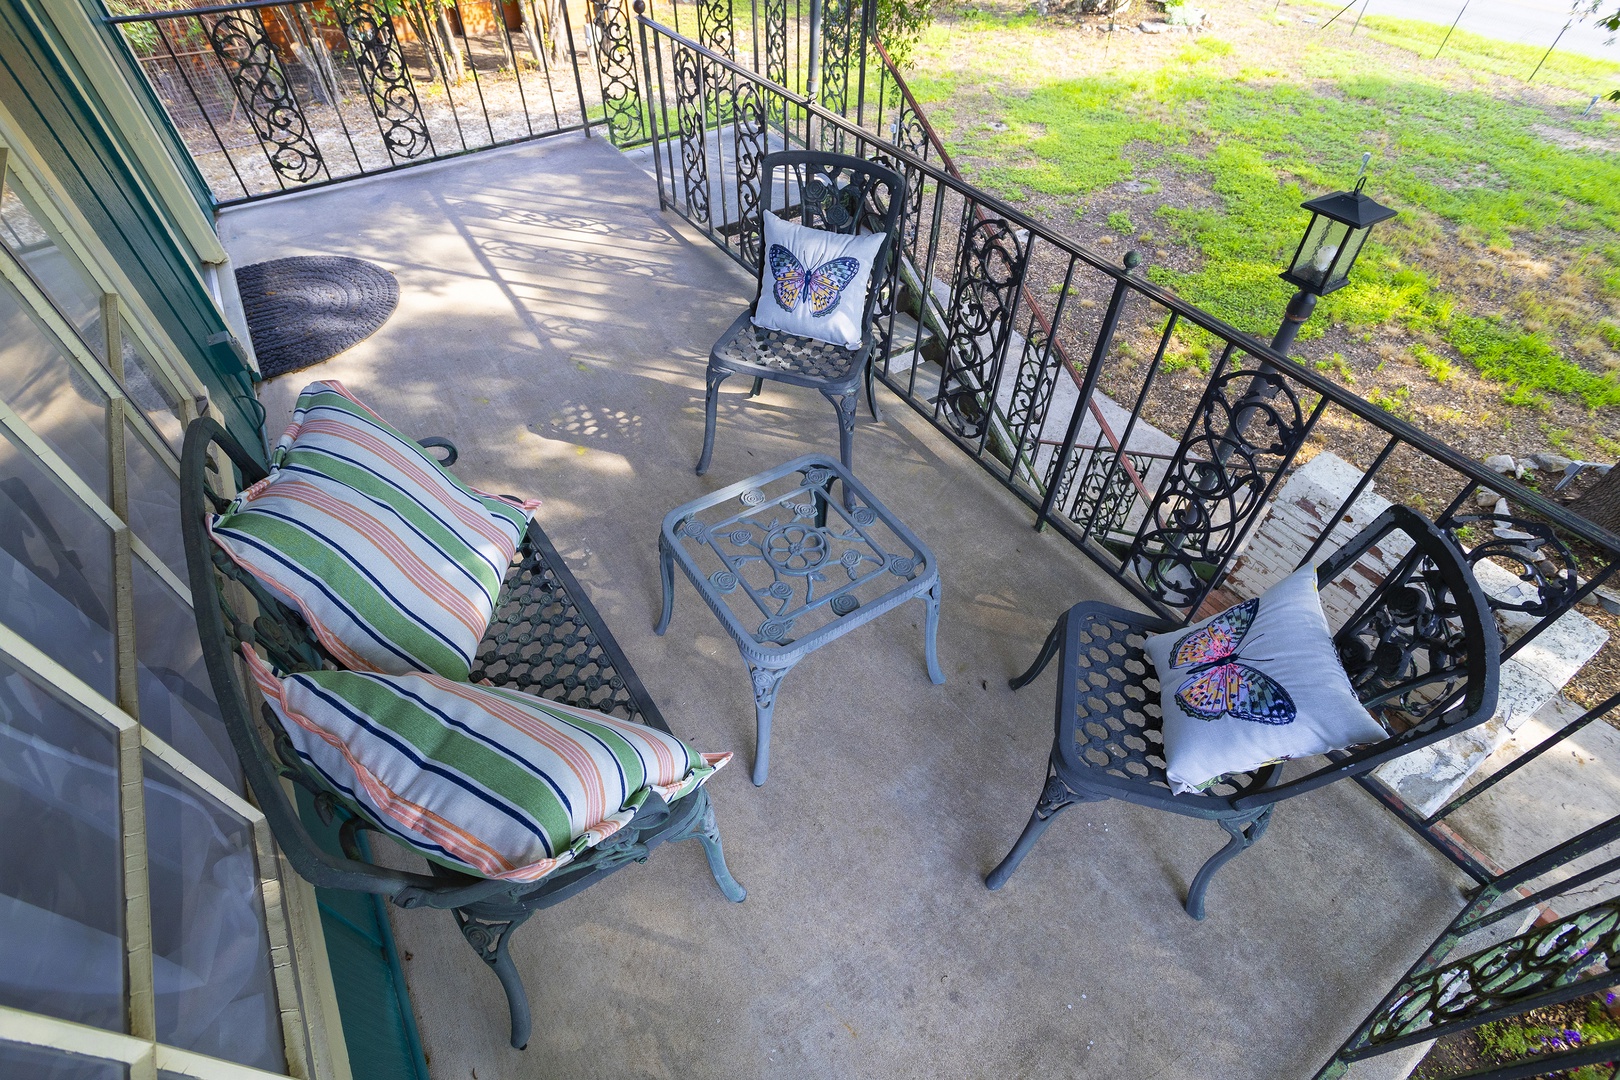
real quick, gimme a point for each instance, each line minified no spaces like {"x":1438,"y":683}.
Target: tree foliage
{"x":900,"y":24}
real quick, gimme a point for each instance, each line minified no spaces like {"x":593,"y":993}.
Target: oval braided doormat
{"x":306,"y":309}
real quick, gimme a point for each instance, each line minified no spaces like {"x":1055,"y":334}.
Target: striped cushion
{"x":491,"y":782}
{"x":395,"y":564}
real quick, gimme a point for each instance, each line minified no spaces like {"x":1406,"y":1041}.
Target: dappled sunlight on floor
{"x":554,"y":325}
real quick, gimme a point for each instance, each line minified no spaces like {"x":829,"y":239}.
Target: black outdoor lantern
{"x":1339,"y":226}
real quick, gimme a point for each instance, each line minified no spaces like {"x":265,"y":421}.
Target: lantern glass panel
{"x":1323,"y":240}
{"x":1347,"y":256}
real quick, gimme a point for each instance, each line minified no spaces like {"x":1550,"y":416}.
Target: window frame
{"x":300,"y":977}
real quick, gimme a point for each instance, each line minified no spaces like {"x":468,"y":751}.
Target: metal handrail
{"x":1029,"y":297}
{"x":1476,"y":472}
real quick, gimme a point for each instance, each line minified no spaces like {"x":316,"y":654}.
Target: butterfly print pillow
{"x":1259,"y":682}
{"x":814,"y":283}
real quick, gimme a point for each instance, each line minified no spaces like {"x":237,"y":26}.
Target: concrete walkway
{"x":555,"y":324}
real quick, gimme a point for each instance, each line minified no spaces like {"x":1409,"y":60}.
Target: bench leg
{"x":489,"y":939}
{"x":705,"y":831}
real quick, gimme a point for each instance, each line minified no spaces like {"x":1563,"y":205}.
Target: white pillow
{"x":1258,"y":683}
{"x":815,"y":282}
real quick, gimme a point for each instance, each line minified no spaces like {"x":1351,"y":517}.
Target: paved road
{"x":1528,"y":22}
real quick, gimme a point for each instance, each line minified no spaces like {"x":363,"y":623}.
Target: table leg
{"x":766,"y":683}
{"x":931,"y":598}
{"x":666,"y":568}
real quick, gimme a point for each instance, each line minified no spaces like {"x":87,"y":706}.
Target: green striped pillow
{"x":395,"y":564}
{"x":491,"y":782}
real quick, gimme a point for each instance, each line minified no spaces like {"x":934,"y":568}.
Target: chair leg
{"x":711,"y":405}
{"x":705,"y":831}
{"x":1048,"y":650}
{"x":1055,"y":798}
{"x":489,"y":939}
{"x":1244,"y":834}
{"x":871,"y":393}
{"x":846,"y":405}
{"x":759,"y":384}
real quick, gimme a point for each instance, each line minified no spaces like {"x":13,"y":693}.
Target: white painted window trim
{"x":312,"y":1033}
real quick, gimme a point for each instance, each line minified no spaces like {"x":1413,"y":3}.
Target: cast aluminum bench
{"x":790,"y":559}
{"x":546,"y":639}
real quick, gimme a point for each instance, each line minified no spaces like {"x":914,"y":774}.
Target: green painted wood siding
{"x":94,"y":166}
{"x":378,"y":1024}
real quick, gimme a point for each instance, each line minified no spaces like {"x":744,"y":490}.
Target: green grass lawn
{"x":1506,"y":254}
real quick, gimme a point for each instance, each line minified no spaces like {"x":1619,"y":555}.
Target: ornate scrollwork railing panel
{"x":1577,"y":950}
{"x":776,"y":54}
{"x":909,"y":134}
{"x":248,"y":56}
{"x":751,"y":145}
{"x":689,"y":82}
{"x":388,"y":83}
{"x":616,"y":65}
{"x":984,"y":299}
{"x":716,"y":31}
{"x":1106,"y":496}
{"x":1031,"y":397}
{"x":1217,"y":481}
{"x":1532,"y":551}
{"x":835,"y":47}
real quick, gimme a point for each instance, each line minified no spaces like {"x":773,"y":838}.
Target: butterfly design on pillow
{"x":1221,"y":682}
{"x":825,"y":284}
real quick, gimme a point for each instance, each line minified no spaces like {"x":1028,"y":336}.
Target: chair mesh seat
{"x":790,"y":354}
{"x":1117,"y":722}
{"x":540,"y":643}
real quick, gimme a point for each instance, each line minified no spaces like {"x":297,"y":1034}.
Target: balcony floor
{"x":554,"y":324}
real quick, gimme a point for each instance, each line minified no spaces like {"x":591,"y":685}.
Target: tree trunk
{"x":1601,"y":503}
{"x":531,"y":31}
{"x":451,"y":50}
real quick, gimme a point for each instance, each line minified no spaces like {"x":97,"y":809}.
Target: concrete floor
{"x":554,"y":324}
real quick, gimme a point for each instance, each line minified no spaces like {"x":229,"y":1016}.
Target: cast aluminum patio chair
{"x":1422,"y":653}
{"x":840,"y":194}
{"x":546,"y":639}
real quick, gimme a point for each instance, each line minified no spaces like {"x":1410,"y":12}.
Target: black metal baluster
{"x":545,"y":62}
{"x":498,"y":9}
{"x":658,"y":129}
{"x":1088,"y":386}
{"x":1136,"y":414}
{"x":201,"y":111}
{"x":1355,"y":493}
{"x":573,"y":62}
{"x":478,"y":84}
{"x":301,"y":27}
{"x":1039,"y":392}
{"x":439,"y":49}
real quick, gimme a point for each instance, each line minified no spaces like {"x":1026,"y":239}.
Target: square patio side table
{"x":790,"y":559}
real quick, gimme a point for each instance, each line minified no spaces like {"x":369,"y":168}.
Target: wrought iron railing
{"x":272,"y":96}
{"x":1157,"y":464}
{"x":1479,"y":970}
